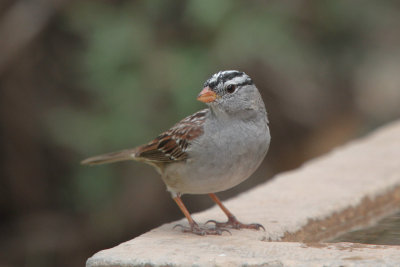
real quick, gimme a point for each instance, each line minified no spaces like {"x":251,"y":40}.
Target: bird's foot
{"x":198,"y":230}
{"x":235,"y":224}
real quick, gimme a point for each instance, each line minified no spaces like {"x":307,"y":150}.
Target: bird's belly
{"x":203,"y":181}
{"x":217,"y":172}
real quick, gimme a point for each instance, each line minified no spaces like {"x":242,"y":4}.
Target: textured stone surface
{"x":348,"y":187}
{"x":233,"y":251}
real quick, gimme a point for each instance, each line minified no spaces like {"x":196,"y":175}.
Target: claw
{"x":211,"y":221}
{"x":258,"y":226}
{"x":235,"y":224}
{"x":178,"y":225}
{"x":196,"y":229}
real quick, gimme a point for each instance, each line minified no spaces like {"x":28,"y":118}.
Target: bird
{"x":211,"y":150}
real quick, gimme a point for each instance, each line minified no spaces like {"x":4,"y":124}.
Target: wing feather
{"x":171,"y":145}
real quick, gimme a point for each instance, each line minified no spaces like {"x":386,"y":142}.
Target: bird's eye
{"x":231,"y":88}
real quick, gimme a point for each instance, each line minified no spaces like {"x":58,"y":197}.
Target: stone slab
{"x":234,"y":251}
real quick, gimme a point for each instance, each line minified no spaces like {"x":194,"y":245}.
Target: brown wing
{"x":171,"y":145}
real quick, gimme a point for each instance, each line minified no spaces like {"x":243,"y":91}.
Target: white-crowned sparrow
{"x":212,"y":150}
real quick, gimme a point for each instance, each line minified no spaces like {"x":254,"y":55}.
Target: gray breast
{"x":223,"y":157}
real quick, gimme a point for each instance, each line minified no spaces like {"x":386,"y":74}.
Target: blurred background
{"x":78,"y":78}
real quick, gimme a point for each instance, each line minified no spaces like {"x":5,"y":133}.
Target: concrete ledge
{"x":234,"y":252}
{"x":349,"y":187}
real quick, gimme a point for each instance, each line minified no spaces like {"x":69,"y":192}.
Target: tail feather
{"x":127,"y":154}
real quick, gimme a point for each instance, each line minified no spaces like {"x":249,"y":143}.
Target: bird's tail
{"x":127,"y":154}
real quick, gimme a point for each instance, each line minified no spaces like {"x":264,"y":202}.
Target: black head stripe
{"x":211,"y":84}
{"x":224,"y":76}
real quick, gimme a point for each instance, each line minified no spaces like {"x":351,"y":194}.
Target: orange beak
{"x":207,"y":95}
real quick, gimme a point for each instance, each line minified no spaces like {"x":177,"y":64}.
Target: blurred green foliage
{"x":143,"y":62}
